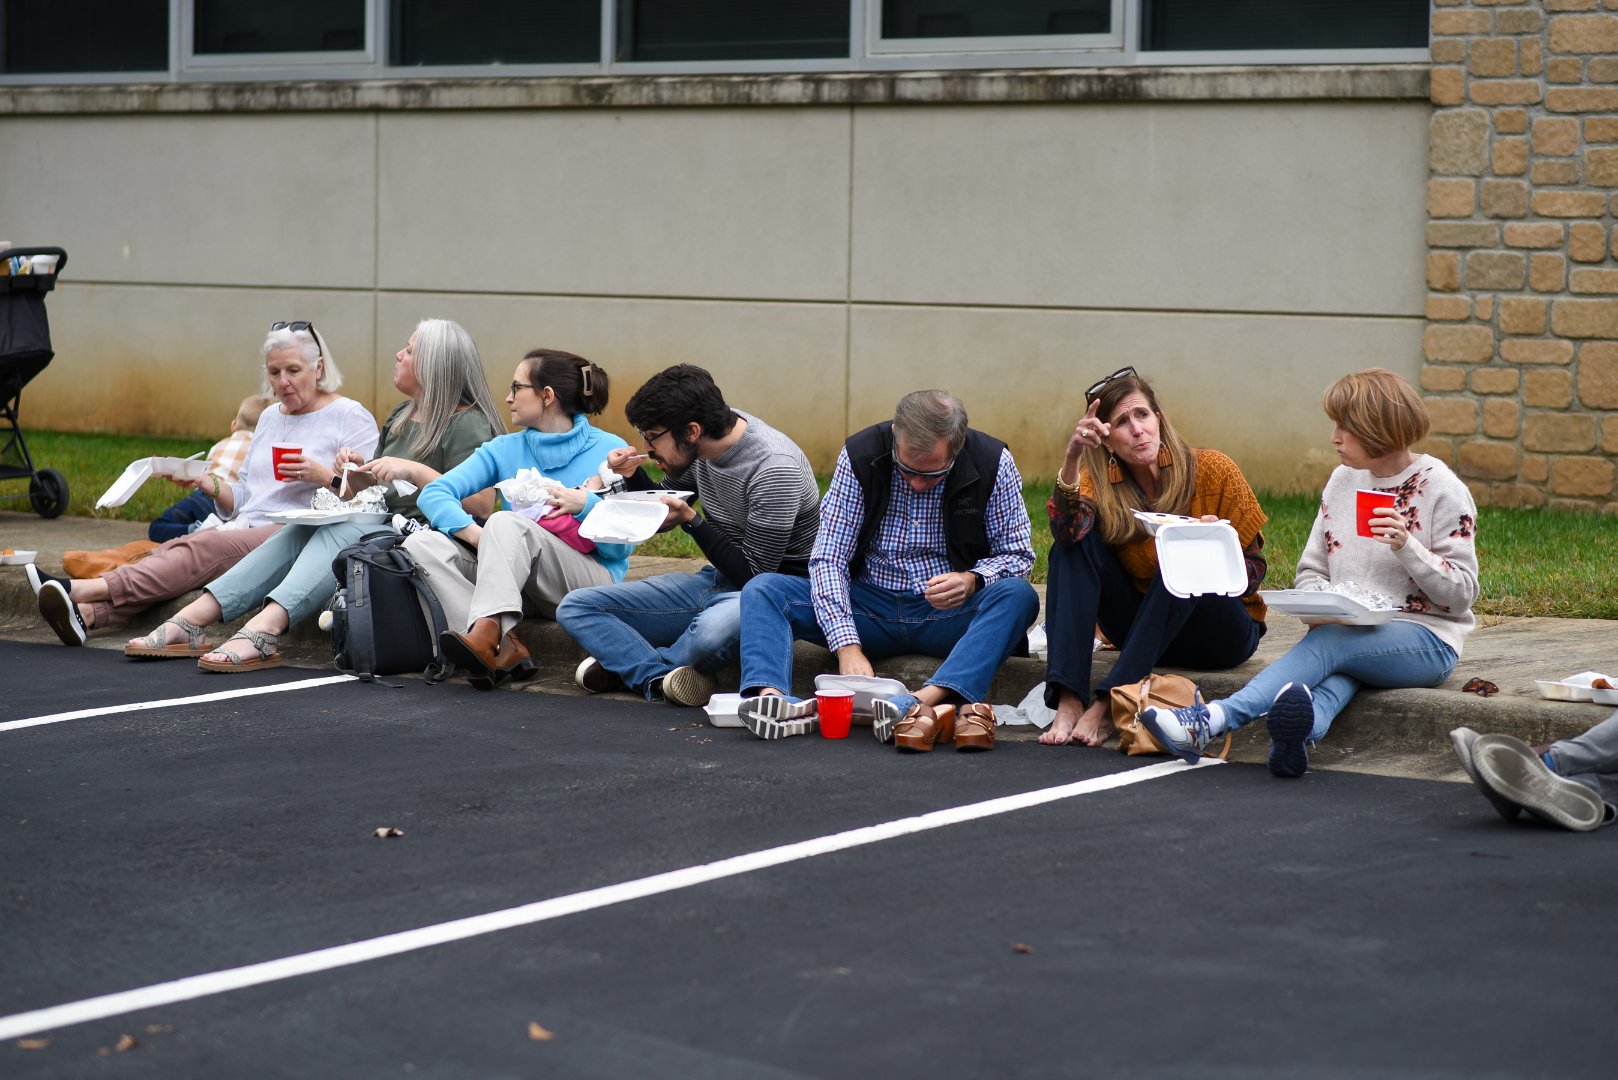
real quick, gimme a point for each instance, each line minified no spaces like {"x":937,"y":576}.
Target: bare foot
{"x":1095,"y":727}
{"x":1060,"y":732}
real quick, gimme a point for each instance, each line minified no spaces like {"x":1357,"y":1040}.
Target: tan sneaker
{"x":688,"y":686}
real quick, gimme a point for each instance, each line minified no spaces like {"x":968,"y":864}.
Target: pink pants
{"x":174,"y":568}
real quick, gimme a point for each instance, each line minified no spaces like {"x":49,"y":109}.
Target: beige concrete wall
{"x":820,"y":260}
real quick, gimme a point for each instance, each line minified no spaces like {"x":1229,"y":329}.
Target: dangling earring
{"x":1164,"y":458}
{"x":1115,"y":475}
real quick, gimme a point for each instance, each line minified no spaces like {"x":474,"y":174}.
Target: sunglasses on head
{"x":294,"y":326}
{"x":1096,"y":387}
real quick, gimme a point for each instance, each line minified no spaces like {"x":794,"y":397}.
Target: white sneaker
{"x":1511,"y":768}
{"x":771,"y":716}
{"x":1185,"y":733}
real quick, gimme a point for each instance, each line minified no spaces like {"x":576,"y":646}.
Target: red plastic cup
{"x":278,"y":453}
{"x":1367,"y":503}
{"x":836,"y":713}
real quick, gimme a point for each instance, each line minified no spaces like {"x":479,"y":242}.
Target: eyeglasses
{"x":1480,"y":687}
{"x":933,"y":474}
{"x":294,"y":326}
{"x":520,"y":386}
{"x":1096,"y":387}
{"x":650,"y":437}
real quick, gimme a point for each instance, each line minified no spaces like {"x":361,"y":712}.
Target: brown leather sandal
{"x":924,"y":726}
{"x":974,"y":727}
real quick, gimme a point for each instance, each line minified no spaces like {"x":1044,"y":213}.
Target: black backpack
{"x":384,"y":618}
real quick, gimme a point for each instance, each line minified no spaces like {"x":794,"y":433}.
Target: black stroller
{"x":25,"y":351}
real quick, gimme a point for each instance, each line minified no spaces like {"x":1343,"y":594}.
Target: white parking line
{"x":142,"y":706}
{"x":358,"y":952}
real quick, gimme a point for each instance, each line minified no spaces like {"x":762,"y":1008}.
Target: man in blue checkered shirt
{"x":924,"y":547}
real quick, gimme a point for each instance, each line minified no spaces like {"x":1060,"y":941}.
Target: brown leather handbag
{"x":1163,"y":692}
{"x":89,"y":564}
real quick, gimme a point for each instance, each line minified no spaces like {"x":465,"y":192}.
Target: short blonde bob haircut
{"x":1379,"y":409}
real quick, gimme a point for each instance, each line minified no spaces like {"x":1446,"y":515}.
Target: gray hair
{"x":311,"y":347}
{"x":925,"y":416}
{"x":451,"y":376}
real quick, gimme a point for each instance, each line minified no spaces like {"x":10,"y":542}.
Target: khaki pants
{"x":516,"y":559}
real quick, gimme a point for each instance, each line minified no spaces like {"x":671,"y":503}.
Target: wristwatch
{"x":979,"y":578}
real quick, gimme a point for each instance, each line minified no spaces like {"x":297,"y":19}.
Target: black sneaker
{"x":57,"y":608}
{"x":591,"y":676}
{"x":1291,"y":719}
{"x":37,"y":578}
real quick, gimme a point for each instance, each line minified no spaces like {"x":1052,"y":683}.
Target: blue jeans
{"x":1332,"y":661}
{"x":642,"y":630}
{"x":180,"y":518}
{"x":974,"y":639}
{"x":293,"y":568}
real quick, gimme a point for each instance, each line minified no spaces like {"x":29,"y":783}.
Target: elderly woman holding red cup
{"x":310,"y":414}
{"x":1419,"y":552}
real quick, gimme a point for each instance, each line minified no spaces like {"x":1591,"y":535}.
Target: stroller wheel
{"x":48,"y":493}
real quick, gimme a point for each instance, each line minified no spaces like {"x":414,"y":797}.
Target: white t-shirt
{"x":344,"y":422}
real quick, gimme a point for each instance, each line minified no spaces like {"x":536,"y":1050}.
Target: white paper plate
{"x":646,"y":496}
{"x":622,"y":521}
{"x":18,"y":558}
{"x":865,"y":687}
{"x":1307,"y":604}
{"x":722,"y":710}
{"x":326,"y":517}
{"x":1201,"y":557}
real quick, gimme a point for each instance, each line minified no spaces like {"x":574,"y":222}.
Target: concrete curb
{"x":1511,"y":653}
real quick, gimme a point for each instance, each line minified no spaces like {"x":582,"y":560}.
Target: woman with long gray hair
{"x":447,"y":414}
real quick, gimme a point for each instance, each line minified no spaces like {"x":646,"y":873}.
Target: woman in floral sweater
{"x":1420,"y":554}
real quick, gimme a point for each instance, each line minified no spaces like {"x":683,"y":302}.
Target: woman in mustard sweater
{"x":1125,"y":455}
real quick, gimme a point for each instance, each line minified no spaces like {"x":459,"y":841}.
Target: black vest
{"x":966,"y":491}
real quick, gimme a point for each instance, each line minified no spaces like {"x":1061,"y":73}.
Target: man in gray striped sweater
{"x":665,"y":636}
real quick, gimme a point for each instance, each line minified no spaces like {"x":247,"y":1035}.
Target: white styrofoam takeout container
{"x":18,"y":558}
{"x":1578,"y":688}
{"x":622,"y":521}
{"x":1200,"y":557}
{"x":655,"y":495}
{"x":1315,"y":604}
{"x":866,"y":688}
{"x":327,"y":517}
{"x":723,"y":710}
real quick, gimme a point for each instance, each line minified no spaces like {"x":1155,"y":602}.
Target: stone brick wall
{"x":1521,"y":346}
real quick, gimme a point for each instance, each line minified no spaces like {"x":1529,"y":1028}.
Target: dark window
{"x":279,"y":26}
{"x":732,"y":29}
{"x":1188,"y":25}
{"x":994,"y":18}
{"x":495,"y":31}
{"x":40,"y":37}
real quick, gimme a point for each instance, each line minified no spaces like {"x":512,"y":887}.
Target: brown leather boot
{"x":475,"y":652}
{"x":513,"y":661}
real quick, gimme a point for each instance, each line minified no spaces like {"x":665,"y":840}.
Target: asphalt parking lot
{"x":603,"y":888}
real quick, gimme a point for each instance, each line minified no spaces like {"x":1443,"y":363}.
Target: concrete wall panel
{"x":197,"y":200}
{"x":177,"y":361}
{"x":660,"y":202}
{"x":1247,"y":385}
{"x":1275,"y":207}
{"x":782,"y":362}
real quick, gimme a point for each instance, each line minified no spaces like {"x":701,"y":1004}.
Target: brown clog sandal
{"x":974,"y":727}
{"x":923,"y":726}
{"x":156,"y":645}
{"x":265,"y":644}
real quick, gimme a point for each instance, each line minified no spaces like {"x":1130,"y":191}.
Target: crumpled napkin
{"x":527,"y":493}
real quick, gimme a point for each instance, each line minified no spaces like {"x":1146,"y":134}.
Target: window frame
{"x":868,"y":52}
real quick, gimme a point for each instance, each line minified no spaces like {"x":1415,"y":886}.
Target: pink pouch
{"x":566,"y":528}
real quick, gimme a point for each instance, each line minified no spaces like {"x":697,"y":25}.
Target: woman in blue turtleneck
{"x":482,"y":576}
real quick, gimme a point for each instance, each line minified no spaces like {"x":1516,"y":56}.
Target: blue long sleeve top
{"x":569,"y":457}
